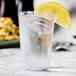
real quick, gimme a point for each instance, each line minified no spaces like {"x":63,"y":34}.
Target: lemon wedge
{"x":62,"y":16}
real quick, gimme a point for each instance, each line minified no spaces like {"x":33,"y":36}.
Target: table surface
{"x":62,"y":63}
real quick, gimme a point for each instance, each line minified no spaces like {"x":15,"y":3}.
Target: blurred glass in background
{"x":10,"y":8}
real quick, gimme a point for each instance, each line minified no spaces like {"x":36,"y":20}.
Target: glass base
{"x":45,"y":69}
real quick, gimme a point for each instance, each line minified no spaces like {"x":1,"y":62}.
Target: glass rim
{"x":32,"y":13}
{"x":24,"y":12}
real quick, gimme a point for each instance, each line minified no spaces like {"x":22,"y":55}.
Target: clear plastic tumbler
{"x":36,"y":33}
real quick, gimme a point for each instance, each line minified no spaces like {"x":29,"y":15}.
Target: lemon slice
{"x":62,"y":16}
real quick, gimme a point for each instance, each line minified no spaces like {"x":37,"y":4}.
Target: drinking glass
{"x":36,"y":33}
